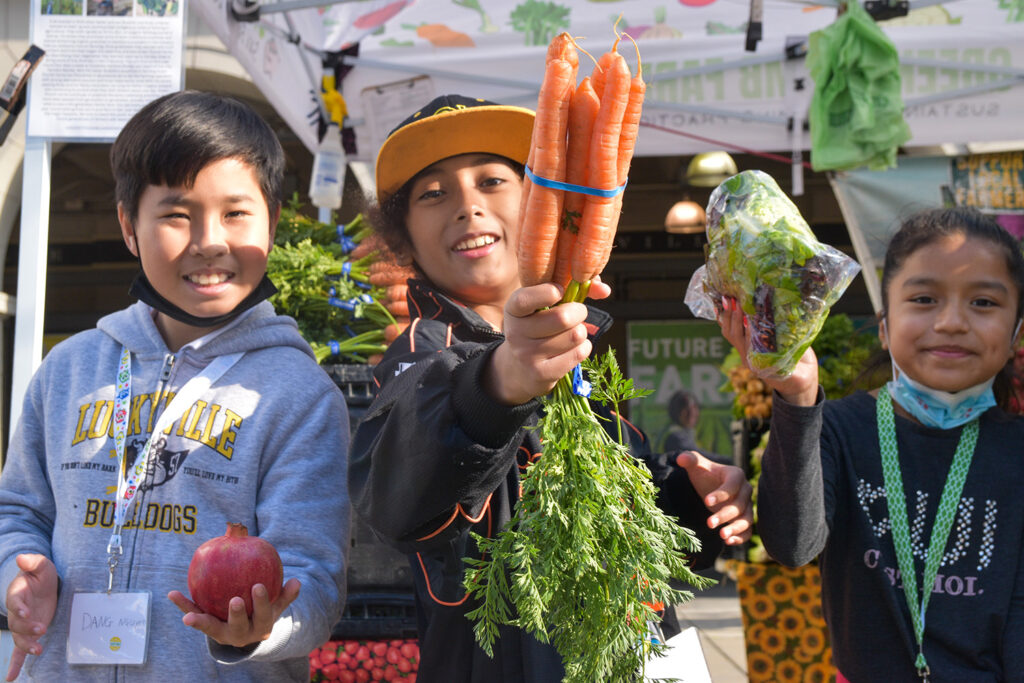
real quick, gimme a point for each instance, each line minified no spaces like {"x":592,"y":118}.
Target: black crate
{"x":372,"y":564}
{"x":355,"y":381}
{"x":377,"y":616}
{"x":357,"y":385}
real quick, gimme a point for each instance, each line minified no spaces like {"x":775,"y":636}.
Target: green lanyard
{"x":897,"y":503}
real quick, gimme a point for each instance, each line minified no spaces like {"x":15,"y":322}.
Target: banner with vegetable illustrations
{"x":699,"y":72}
{"x":705,"y":89}
{"x":280,"y":50}
{"x":668,"y":356}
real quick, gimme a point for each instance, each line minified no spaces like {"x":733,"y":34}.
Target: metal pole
{"x":962,"y":92}
{"x":713,"y":67}
{"x":348,"y":60}
{"x":32,"y":248}
{"x":299,"y":4}
{"x":714,"y":111}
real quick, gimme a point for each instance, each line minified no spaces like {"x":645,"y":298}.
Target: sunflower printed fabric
{"x":783,"y":625}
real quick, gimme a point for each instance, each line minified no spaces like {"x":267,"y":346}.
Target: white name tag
{"x":683,"y":661}
{"x":109,"y":628}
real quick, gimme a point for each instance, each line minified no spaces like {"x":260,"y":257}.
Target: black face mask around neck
{"x":142,"y":290}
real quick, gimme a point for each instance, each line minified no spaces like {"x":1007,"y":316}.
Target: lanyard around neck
{"x":128,"y":480}
{"x":917,"y":602}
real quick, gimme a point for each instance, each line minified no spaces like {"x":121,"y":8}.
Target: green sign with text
{"x":667,"y":356}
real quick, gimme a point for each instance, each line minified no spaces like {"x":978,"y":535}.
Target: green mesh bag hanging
{"x":856,"y":113}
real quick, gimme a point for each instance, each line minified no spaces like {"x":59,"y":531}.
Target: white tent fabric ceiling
{"x":705,"y":90}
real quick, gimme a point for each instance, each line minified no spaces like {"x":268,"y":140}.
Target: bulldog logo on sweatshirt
{"x":163,"y":464}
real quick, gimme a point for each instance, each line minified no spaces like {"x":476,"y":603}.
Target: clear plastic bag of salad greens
{"x":762,"y":253}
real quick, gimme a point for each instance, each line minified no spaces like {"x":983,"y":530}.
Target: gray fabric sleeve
{"x":307,"y":519}
{"x":27,"y":506}
{"x":790,"y":497}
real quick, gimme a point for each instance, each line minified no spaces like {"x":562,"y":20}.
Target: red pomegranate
{"x":231,"y":565}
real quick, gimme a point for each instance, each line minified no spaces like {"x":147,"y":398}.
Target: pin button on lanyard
{"x":128,"y":481}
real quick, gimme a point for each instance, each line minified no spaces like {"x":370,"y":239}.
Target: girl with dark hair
{"x":910,"y":493}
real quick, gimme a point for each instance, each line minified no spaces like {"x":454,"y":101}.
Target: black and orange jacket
{"x":435,"y":457}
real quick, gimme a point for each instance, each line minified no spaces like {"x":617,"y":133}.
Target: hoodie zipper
{"x":165,"y":376}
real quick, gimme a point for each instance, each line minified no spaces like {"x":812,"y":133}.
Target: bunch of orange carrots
{"x":588,"y":555}
{"x":386,"y":273}
{"x":583,"y":135}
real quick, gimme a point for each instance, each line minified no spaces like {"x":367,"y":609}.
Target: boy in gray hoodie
{"x":197,"y":406}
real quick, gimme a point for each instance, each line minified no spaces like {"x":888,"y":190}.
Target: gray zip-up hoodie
{"x":266,"y":446}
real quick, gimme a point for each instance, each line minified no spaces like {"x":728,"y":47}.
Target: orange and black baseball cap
{"x":447,"y":126}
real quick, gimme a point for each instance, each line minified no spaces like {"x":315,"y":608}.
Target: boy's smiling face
{"x":463,"y":222}
{"x":203,"y":248}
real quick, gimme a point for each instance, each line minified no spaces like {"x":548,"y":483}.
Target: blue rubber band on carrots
{"x":349,"y":305}
{"x":347,"y":243}
{"x":580,"y":386}
{"x":569,"y":187}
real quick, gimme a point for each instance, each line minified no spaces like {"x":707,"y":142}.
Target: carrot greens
{"x":326,"y":289}
{"x":587,"y":551}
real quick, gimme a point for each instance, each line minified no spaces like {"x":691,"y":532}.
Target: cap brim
{"x":497,"y":129}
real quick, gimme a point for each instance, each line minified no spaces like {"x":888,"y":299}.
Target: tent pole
{"x":299,"y":4}
{"x":725,"y":113}
{"x":712,"y":68}
{"x":364,"y":177}
{"x":314,"y":79}
{"x":32,"y":248}
{"x":963,"y":92}
{"x":349,"y":60}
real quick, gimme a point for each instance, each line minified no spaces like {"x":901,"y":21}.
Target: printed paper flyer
{"x":104,"y":60}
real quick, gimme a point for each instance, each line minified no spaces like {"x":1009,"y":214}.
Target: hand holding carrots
{"x":543,"y":343}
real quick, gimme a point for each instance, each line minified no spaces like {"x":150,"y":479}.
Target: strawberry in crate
{"x":359,"y":661}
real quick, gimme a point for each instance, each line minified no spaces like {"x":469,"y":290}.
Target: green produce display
{"x":325,"y":289}
{"x":762,"y":253}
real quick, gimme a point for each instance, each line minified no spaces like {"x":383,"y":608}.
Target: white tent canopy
{"x":705,"y":90}
{"x":962,"y":63}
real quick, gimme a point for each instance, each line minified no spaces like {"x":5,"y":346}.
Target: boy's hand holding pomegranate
{"x":235,"y":583}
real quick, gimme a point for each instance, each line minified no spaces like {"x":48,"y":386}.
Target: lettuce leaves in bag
{"x":762,"y":253}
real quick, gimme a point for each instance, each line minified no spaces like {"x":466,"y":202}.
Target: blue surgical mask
{"x":941,"y":409}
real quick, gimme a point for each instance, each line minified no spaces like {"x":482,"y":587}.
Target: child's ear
{"x":882,"y":336}
{"x":403,"y":257}
{"x":127,"y":230}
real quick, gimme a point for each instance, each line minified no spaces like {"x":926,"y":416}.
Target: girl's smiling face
{"x":463,"y":224}
{"x":951,"y":313}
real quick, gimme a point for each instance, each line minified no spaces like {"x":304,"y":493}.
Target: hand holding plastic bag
{"x":762,"y":253}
